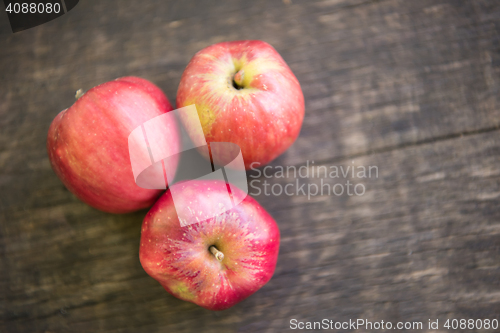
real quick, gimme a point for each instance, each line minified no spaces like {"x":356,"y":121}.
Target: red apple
{"x":214,"y":263}
{"x":88,"y":143}
{"x":246,"y":94}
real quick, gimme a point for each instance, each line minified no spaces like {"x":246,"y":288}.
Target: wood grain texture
{"x":411,"y":87}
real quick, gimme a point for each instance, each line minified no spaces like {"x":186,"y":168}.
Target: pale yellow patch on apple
{"x":254,"y":68}
{"x":180,"y":290}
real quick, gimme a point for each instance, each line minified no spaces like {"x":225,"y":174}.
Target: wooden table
{"x":411,"y":87}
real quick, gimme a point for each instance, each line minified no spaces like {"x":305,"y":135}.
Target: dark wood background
{"x":411,"y":87}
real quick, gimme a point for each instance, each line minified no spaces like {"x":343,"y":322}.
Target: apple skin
{"x":263,"y":117}
{"x":179,"y":257}
{"x":88,"y":143}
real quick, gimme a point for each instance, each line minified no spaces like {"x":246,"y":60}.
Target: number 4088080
{"x":33,"y":8}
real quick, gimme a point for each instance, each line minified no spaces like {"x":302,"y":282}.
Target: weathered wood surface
{"x":411,"y":87}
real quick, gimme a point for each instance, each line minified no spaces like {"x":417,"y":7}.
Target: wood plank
{"x":421,"y":243}
{"x":375,"y":75}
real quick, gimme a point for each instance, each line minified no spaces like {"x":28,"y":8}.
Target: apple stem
{"x":238,"y":78}
{"x":79,"y":93}
{"x":219,"y":255}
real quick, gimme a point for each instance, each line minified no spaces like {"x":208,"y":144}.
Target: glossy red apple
{"x":246,"y":94}
{"x":88,"y":143}
{"x":214,"y":263}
